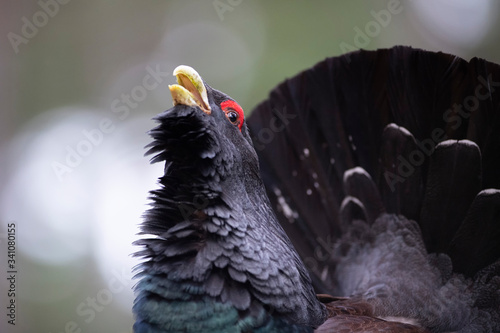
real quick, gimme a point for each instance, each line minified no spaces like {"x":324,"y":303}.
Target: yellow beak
{"x":189,"y":89}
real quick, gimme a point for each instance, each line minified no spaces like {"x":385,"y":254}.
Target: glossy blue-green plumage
{"x":166,"y":306}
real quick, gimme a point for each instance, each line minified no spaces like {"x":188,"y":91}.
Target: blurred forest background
{"x":79,"y":84}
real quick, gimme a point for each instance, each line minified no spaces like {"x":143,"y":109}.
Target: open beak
{"x":189,"y":89}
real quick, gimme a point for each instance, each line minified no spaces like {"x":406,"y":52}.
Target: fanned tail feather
{"x":396,"y":131}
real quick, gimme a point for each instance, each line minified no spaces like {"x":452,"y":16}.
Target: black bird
{"x":382,"y":168}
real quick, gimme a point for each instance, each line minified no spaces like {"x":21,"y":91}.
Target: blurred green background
{"x":80,"y":82}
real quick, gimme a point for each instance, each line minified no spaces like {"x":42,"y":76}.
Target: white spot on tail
{"x":348,"y":199}
{"x":283,"y":205}
{"x":400,"y":128}
{"x":489,"y":191}
{"x":358,"y":170}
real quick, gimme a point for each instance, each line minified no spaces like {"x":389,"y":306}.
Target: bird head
{"x":205,"y":142}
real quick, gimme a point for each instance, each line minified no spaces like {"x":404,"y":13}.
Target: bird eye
{"x":234,"y":112}
{"x":232,"y":116}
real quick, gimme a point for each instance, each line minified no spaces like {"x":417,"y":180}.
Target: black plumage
{"x":382,"y":168}
{"x":218,"y":260}
{"x":413,"y":130}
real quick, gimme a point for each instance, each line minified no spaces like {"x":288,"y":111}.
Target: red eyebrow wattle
{"x":230,"y":104}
